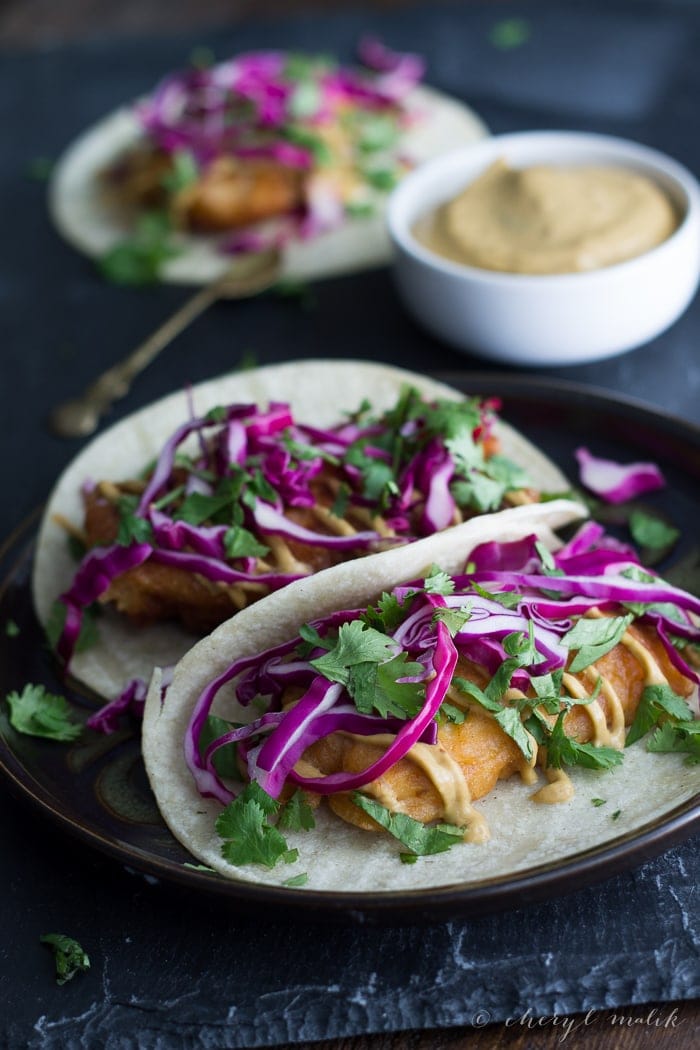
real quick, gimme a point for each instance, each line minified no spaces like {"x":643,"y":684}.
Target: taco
{"x":196,"y":506}
{"x":266,"y":149}
{"x":404,"y":708}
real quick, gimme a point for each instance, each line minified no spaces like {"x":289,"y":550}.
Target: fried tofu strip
{"x":483,"y":752}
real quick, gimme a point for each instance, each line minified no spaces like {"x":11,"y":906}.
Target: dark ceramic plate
{"x":97,"y":788}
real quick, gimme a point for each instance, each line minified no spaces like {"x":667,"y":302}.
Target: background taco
{"x":265,"y":149}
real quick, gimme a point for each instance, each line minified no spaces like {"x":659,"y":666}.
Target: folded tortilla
{"x":319,"y":392}
{"x":338,"y":857}
{"x":87,"y":219}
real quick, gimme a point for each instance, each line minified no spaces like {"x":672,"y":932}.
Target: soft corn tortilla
{"x":338,"y":857}
{"x":319,"y":392}
{"x":85,"y":217}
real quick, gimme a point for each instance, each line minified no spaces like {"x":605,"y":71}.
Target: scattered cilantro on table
{"x":36,"y":712}
{"x":69,"y":956}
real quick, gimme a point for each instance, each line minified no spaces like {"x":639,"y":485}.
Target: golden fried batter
{"x":484,"y":752}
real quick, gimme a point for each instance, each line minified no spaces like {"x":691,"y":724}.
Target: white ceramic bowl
{"x":554,"y":319}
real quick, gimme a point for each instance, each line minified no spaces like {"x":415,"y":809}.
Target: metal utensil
{"x":247,"y":276}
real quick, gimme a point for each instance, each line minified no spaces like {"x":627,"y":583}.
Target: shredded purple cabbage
{"x":617,"y":482}
{"x":254,"y":470}
{"x":547,"y":605}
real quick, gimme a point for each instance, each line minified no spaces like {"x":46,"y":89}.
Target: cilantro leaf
{"x":35,"y":712}
{"x":508,"y":718}
{"x":438,"y":582}
{"x":451,"y":713}
{"x":682,"y":737}
{"x":224,"y":760}
{"x":594,"y":638}
{"x":11,"y":629}
{"x":89,"y":631}
{"x":388,"y":613}
{"x":356,"y":644}
{"x":651,"y":531}
{"x":454,"y":619}
{"x":240,"y":543}
{"x":297,"y":880}
{"x":417,"y":837}
{"x":376,"y":685}
{"x":564,"y":750}
{"x":296,"y":814}
{"x":139,"y":259}
{"x":249,"y":837}
{"x":478,"y":491}
{"x":656,"y":702}
{"x":184,"y":172}
{"x":69,"y":956}
{"x":132,"y":528}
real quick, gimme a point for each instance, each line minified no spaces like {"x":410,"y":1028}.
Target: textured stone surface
{"x":169,"y":970}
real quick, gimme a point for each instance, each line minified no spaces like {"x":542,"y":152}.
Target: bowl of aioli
{"x":547,"y":248}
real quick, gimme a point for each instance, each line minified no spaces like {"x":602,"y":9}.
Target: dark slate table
{"x":172,"y":970}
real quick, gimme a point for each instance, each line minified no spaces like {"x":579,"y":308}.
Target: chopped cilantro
{"x":360,"y":209}
{"x":76,"y":547}
{"x":296,"y":814}
{"x":355,"y":644}
{"x":69,"y":956}
{"x":563,"y":750}
{"x":11,"y":629}
{"x":342,"y":498}
{"x":454,"y":619}
{"x":40,"y":169}
{"x":598,"y":802}
{"x":451,"y":713}
{"x":305,"y":99}
{"x":139,"y":259}
{"x":132,"y":528}
{"x":594,"y":638}
{"x":656,"y":703}
{"x":420,"y":839}
{"x":509,"y":33}
{"x":438,"y":582}
{"x":36,"y":712}
{"x":224,"y":760}
{"x":651,"y":531}
{"x":240,"y":543}
{"x":683,"y":737}
{"x":310,"y":640}
{"x":379,"y":686}
{"x":389,"y":611}
{"x":383,"y":179}
{"x":249,"y":837}
{"x":377,"y":132}
{"x":89,"y":632}
{"x":297,"y":880}
{"x":616,"y":814}
{"x":307,"y":139}
{"x":508,"y":718}
{"x":361,"y":660}
{"x":185,"y":171}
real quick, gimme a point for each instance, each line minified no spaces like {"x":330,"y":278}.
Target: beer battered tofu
{"x":484,"y":752}
{"x":153,"y":592}
{"x":229,"y":194}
